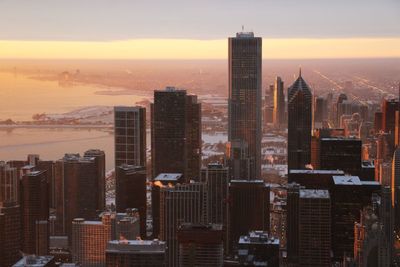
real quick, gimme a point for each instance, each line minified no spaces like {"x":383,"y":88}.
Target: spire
{"x":300,"y":71}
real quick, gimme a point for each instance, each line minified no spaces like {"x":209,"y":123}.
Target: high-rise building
{"x":130,"y":136}
{"x":176,"y":133}
{"x":299,"y":124}
{"x":200,"y":244}
{"x":279,"y":103}
{"x":244,"y":103}
{"x":90,"y":238}
{"x":309,"y":227}
{"x":349,"y":195}
{"x":395,"y":188}
{"x":130,"y":191}
{"x":258,"y":249}
{"x":184,"y":203}
{"x":320,"y":112}
{"x":76,"y":191}
{"x":126,"y":253}
{"x":162,"y":180}
{"x":248,"y":209}
{"x":389,"y":108}
{"x":215,"y":176}
{"x":35,"y":213}
{"x":378,"y":121}
{"x":10,"y":216}
{"x":339,"y":110}
{"x":100,"y":161}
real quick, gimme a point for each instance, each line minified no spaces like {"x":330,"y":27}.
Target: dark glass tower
{"x":299,"y":124}
{"x":244,"y":104}
{"x":279,"y":102}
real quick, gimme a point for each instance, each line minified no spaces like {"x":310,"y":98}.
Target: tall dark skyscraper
{"x":35,"y":213}
{"x":10,"y":216}
{"x":244,"y":104}
{"x":299,"y":124}
{"x":100,"y":161}
{"x":176,"y":133}
{"x":279,"y":102}
{"x":130,"y":136}
{"x":130,"y":191}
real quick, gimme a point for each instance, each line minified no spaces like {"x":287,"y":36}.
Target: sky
{"x":191,"y":29}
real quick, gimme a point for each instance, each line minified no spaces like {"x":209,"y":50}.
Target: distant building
{"x":35,"y":213}
{"x":389,"y":108}
{"x":258,"y":249}
{"x":299,"y":124}
{"x":245,"y":96}
{"x":90,"y":238}
{"x":10,"y":216}
{"x":395,"y":189}
{"x":126,"y":253}
{"x":130,"y":136}
{"x":248,"y":209}
{"x":130,"y":191}
{"x":176,"y":133}
{"x":279,"y":102}
{"x":309,"y":227}
{"x":36,"y":261}
{"x":200,"y":244}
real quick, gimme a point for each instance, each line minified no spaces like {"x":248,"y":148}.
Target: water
{"x":22,"y":97}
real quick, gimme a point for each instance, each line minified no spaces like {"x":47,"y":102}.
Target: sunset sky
{"x":179,"y":29}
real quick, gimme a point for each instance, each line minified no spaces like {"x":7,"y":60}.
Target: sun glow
{"x":199,"y":49}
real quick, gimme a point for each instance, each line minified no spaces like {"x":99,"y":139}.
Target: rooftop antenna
{"x":242,"y":28}
{"x":300,"y":71}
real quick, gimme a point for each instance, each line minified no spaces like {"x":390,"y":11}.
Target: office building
{"x":244,"y":102}
{"x":35,"y":213}
{"x":248,"y":209}
{"x":309,"y":227}
{"x":314,"y":179}
{"x":126,"y":253}
{"x":299,"y":124}
{"x":200,"y":244}
{"x":162,"y":180}
{"x":90,"y":238}
{"x":389,"y":108}
{"x":395,"y":188}
{"x":100,"y":162}
{"x":76,"y":191}
{"x":176,"y":133}
{"x":10,"y":216}
{"x":349,"y":195}
{"x":257,"y":248}
{"x":130,"y":136}
{"x":279,"y":103}
{"x":179,"y":204}
{"x":130,"y":192}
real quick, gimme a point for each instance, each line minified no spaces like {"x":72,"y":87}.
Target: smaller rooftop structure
{"x":313,"y":193}
{"x":346,"y":180}
{"x":168,"y":177}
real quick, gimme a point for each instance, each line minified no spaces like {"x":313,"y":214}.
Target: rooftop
{"x":136,"y":246}
{"x":337,"y":172}
{"x":168,"y":177}
{"x":346,"y":180}
{"x":127,"y":108}
{"x":245,"y":35}
{"x":258,"y":237}
{"x":33,"y":261}
{"x":313,"y":193}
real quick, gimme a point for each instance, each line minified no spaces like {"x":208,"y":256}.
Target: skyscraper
{"x":248,"y":209}
{"x":10,"y":216}
{"x":100,"y":161}
{"x":395,"y":188}
{"x":200,"y":244}
{"x":76,"y":191}
{"x":35,"y":213}
{"x":244,"y":103}
{"x":130,"y":192}
{"x":130,"y":136}
{"x":299,"y":124}
{"x":176,"y":133}
{"x":184,"y":203}
{"x":279,"y":102}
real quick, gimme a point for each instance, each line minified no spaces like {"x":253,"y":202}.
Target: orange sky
{"x":200,"y":49}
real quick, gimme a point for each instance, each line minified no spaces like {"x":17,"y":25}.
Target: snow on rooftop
{"x":314,"y":193}
{"x":346,"y":180}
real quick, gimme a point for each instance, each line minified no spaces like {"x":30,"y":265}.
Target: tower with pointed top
{"x":244,"y":106}
{"x":299,"y":124}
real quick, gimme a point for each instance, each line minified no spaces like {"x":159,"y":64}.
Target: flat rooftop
{"x":337,"y":172}
{"x":33,"y":261}
{"x":168,"y":177}
{"x":258,"y":237}
{"x":136,"y":246}
{"x":313,"y":193}
{"x":346,"y":180}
